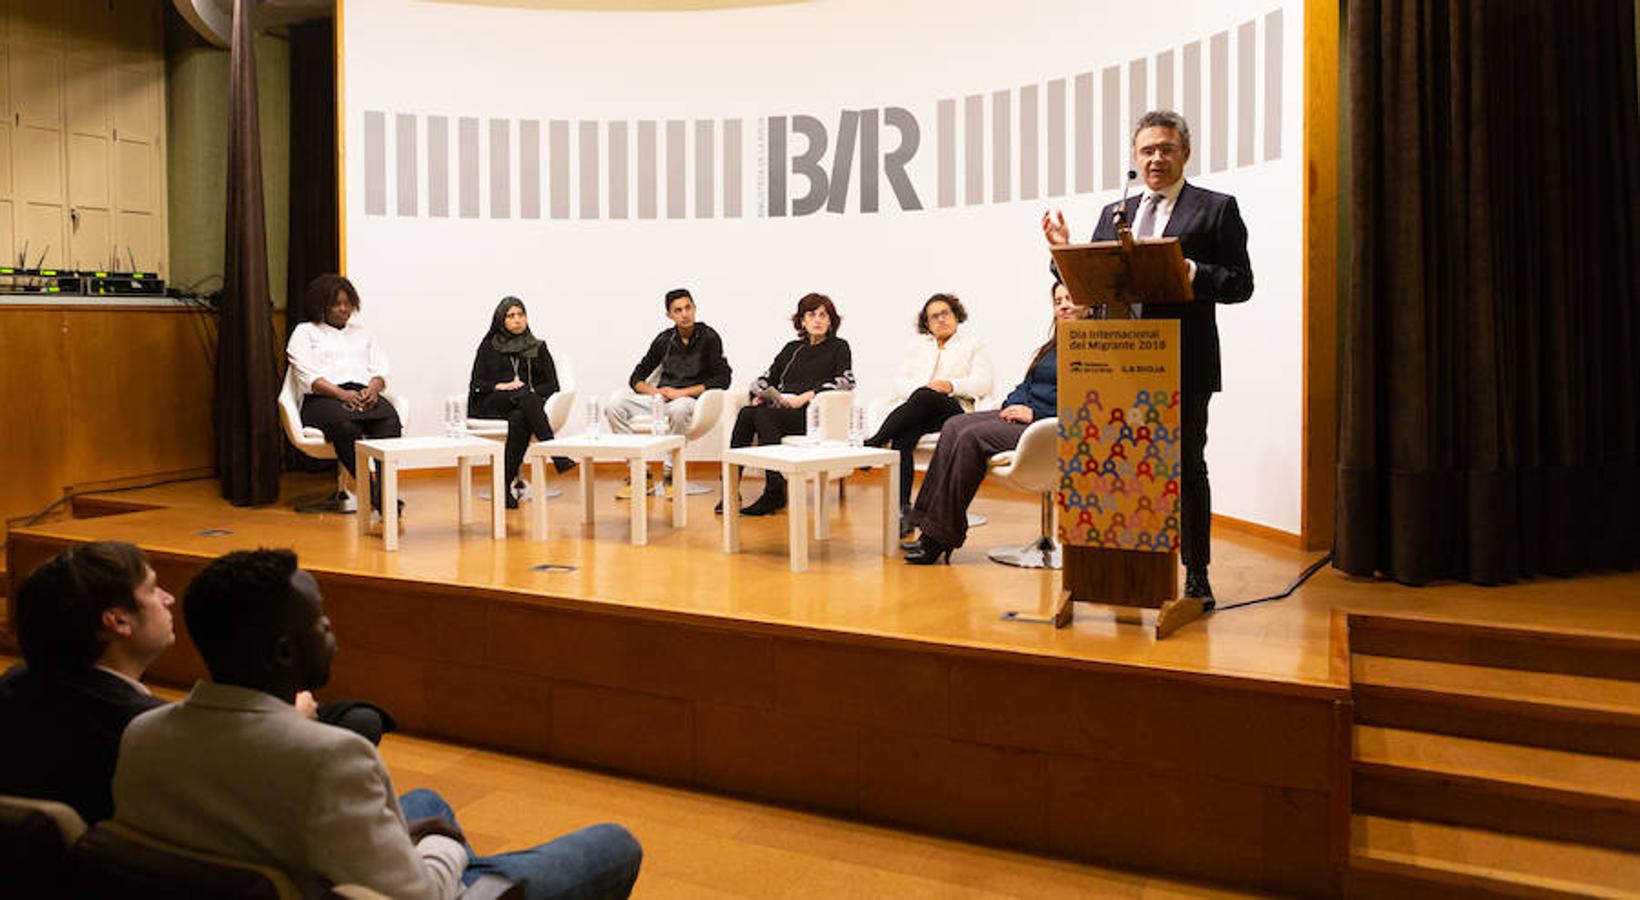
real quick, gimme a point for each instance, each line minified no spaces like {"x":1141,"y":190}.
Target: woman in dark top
{"x":968,"y":442}
{"x":818,"y":360}
{"x":513,"y":376}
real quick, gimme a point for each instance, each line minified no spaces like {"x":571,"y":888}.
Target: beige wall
{"x":196,"y":90}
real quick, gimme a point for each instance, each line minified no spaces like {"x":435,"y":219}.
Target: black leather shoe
{"x":767,"y":504}
{"x":928,"y":552}
{"x":718,"y":509}
{"x":1196,"y":587}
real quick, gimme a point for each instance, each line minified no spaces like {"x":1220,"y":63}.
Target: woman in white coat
{"x":944,"y":373}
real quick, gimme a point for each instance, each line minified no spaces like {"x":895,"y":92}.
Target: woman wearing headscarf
{"x":513,"y":376}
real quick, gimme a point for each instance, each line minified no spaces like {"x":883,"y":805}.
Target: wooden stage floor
{"x":851,"y":587}
{"x":864,"y":687}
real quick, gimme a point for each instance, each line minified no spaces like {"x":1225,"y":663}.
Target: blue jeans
{"x":590,"y":864}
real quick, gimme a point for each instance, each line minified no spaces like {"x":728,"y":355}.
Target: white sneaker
{"x":520,"y":489}
{"x":346,"y":502}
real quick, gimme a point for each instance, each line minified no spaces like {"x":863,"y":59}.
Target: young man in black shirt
{"x":681,"y":364}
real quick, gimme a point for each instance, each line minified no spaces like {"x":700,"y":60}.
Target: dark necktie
{"x":1147,"y":219}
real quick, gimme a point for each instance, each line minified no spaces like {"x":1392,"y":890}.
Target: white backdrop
{"x":594,"y":282}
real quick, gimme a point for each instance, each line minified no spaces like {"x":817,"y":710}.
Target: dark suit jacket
{"x":61,"y":736}
{"x":1211,"y":233}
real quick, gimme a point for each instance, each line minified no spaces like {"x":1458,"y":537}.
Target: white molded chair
{"x":558,"y":408}
{"x":705,"y":416}
{"x":924,"y":453}
{"x":311,"y":441}
{"x":1033,"y":465}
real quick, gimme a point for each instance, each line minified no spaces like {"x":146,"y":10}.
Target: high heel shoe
{"x":928,"y":552}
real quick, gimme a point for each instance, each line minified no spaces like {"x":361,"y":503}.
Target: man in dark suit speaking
{"x":1214,"y":240}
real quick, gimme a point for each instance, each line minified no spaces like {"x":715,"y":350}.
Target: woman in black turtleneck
{"x":817,"y":361}
{"x":513,"y":376}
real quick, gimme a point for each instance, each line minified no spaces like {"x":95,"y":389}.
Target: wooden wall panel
{"x":99,"y":393}
{"x":1321,"y":261}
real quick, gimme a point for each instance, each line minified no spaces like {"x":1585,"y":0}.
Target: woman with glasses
{"x":945,"y":371}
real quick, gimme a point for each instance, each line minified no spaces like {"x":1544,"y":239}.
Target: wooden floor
{"x":850,"y":586}
{"x":699,"y":845}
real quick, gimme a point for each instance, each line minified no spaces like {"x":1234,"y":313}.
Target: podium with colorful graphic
{"x":1119,"y":431}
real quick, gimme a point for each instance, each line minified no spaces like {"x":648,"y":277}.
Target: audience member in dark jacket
{"x":817,"y":361}
{"x":513,"y":376}
{"x":90,"y":621}
{"x":968,"y":442}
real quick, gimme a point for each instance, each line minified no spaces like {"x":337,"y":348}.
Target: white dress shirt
{"x":963,"y":361}
{"x":338,"y":355}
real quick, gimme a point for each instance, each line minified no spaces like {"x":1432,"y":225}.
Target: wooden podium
{"x":1119,"y":440}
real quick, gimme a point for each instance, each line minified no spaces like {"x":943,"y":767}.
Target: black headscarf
{"x":524,"y":344}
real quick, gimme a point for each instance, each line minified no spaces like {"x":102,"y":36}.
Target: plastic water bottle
{"x":813,"y":431}
{"x":455,"y":417}
{"x":657,"y":414}
{"x":856,"y":426}
{"x":595,"y":417}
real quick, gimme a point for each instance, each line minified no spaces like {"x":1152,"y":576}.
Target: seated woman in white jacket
{"x":944,"y":372}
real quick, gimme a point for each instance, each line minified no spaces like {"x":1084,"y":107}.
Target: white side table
{"x":635,"y":450}
{"x":390,"y":453}
{"x":800,"y":464}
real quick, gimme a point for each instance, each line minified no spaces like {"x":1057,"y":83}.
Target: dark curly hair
{"x":812,"y":302}
{"x":321,"y":292}
{"x":949,"y":300}
{"x":237,"y":600}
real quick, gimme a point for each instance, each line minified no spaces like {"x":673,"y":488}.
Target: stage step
{"x":1566,"y":712}
{"x":1400,"y":858}
{"x":1543,"y":793}
{"x":1595,"y":655}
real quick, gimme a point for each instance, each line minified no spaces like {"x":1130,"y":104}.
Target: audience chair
{"x":559,"y":407}
{"x":1032,"y":466}
{"x":924,"y":453}
{"x":707,"y":413}
{"x":311,"y":441}
{"x":114,"y":860}
{"x":35,"y":837}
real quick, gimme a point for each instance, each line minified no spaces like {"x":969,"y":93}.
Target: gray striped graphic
{"x":529,"y":169}
{"x":1084,"y":133}
{"x":500,"y":169}
{"x":1001,"y":146}
{"x":1030,"y":150}
{"x":733,"y":132}
{"x":375,"y":163}
{"x":404,"y":149}
{"x":1191,"y":105}
{"x":648,"y":175}
{"x":467,"y":167}
{"x":945,"y":115}
{"x":676,"y":189}
{"x":1272,"y":84}
{"x":1056,"y":138}
{"x":438,"y":166}
{"x":558,"y":168}
{"x":617,"y":170}
{"x":1246,"y":105}
{"x":1001,"y":142}
{"x":588,"y":157}
{"x":705,"y":159}
{"x":1218,"y":55}
{"x":1113,"y":144}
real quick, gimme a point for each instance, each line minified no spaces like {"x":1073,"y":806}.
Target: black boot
{"x":1196,"y":586}
{"x":773,"y":498}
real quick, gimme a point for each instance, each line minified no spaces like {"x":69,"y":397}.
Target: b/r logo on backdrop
{"x":1064,"y":136}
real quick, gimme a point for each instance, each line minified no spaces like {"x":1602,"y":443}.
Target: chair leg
{"x":1042,"y":553}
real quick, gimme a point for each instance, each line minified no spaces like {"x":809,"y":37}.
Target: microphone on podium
{"x":1118,"y":216}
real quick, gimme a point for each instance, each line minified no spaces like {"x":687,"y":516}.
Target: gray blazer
{"x":240,"y":773}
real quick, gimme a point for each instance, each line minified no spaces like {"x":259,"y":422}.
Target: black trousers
{"x":1195,"y":496}
{"x":344,"y":427}
{"x":967,"y":443}
{"x":526,"y":415}
{"x":922,"y":413}
{"x":767,"y":425}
